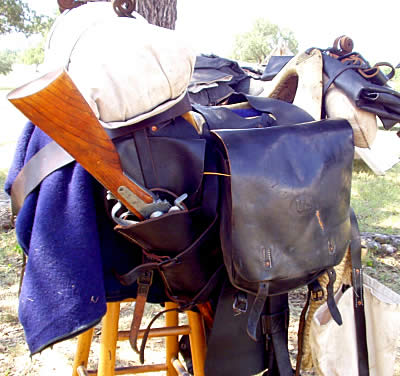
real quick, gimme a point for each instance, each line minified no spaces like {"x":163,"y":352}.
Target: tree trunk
{"x":158,"y":12}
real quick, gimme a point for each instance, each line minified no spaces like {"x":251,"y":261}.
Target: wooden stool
{"x":110,"y":335}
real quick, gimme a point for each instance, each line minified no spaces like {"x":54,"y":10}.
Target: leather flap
{"x":289,"y":194}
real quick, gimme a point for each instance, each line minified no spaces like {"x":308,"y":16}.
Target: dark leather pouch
{"x":170,"y":159}
{"x":193,"y":274}
{"x":169,"y":234}
{"x":184,"y":248}
{"x":285,"y":208}
{"x":158,"y":156}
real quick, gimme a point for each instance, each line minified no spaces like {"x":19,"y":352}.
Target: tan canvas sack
{"x":127,"y":69}
{"x":334,"y":348}
{"x":364,"y":123}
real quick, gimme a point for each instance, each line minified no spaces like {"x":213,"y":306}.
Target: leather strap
{"x":205,"y":291}
{"x":131,"y":277}
{"x":147,"y":331}
{"x":177,"y":110}
{"x":47,"y":160}
{"x":358,"y":297}
{"x":275,"y":327}
{"x":145,"y":157}
{"x":336,"y":75}
{"x":144,"y":282}
{"x":257,"y":309}
{"x":330,"y":299}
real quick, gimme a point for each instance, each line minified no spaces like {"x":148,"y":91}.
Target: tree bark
{"x":158,"y":12}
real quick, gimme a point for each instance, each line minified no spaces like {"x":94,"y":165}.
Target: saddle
{"x":257,"y":200}
{"x":258,"y":177}
{"x":268,"y":183}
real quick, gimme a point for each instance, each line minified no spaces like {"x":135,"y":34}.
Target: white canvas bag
{"x":127,"y":69}
{"x":334,"y":347}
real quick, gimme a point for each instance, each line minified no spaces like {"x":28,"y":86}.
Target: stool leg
{"x":108,"y":341}
{"x":171,"y":342}
{"x":82,"y":350}
{"x":197,"y":342}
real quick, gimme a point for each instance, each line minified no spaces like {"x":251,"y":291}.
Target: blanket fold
{"x":73,"y":252}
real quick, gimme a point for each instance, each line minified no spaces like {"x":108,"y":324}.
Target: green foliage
{"x":7,"y":59}
{"x":375,"y":199}
{"x":395,"y":81}
{"x":256,"y":45}
{"x":16,"y":16}
{"x":34,"y":55}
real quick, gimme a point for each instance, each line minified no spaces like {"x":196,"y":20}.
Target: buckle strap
{"x":257,"y":309}
{"x":333,"y":309}
{"x":133,"y":275}
{"x":144,"y":282}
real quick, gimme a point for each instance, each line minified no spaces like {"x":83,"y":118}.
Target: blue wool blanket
{"x":73,"y":252}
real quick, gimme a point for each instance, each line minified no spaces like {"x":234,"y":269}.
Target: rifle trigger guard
{"x":119,"y":219}
{"x":142,"y":207}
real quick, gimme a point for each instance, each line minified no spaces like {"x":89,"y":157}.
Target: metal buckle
{"x":145,"y":278}
{"x":144,"y":282}
{"x":317,"y":294}
{"x":240,"y":303}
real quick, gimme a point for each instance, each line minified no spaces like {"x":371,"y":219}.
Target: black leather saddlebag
{"x":182,"y":246}
{"x":285,"y":207}
{"x":173,"y":158}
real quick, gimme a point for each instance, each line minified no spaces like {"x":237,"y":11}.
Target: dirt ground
{"x":14,"y":355}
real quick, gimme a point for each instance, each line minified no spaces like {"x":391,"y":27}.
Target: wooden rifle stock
{"x":55,"y":105}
